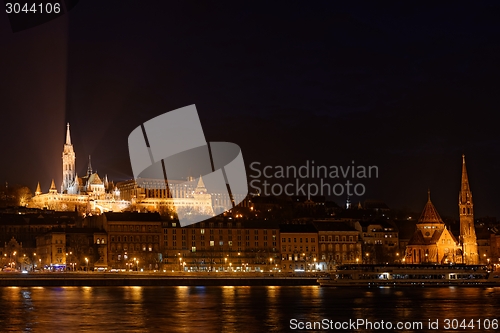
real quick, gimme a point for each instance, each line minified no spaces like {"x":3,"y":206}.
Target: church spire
{"x":68,"y":136}
{"x":38,"y":190}
{"x":465,"y":192}
{"x":89,"y":168}
{"x":200,"y":187}
{"x":429,"y":214}
{"x":53,"y":188}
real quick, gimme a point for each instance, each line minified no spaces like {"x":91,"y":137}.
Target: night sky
{"x":406,"y":88}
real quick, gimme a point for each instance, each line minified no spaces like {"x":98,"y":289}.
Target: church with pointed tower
{"x":432,"y":241}
{"x":92,"y":194}
{"x":85,"y":194}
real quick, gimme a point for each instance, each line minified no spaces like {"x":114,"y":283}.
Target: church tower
{"x":467,"y":231}
{"x":68,"y":159}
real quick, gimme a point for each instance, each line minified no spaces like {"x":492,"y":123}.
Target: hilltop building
{"x":92,"y":194}
{"x":87,"y":194}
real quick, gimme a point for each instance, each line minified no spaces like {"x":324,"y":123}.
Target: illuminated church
{"x":85,"y":194}
{"x":91,"y":194}
{"x":432,"y":242}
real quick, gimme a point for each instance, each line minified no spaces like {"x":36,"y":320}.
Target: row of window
{"x":221,"y":243}
{"x":337,"y":247}
{"x":136,"y":228}
{"x":298,"y":256}
{"x":297,"y":249}
{"x":221,"y":237}
{"x":134,"y":247}
{"x":338,"y":238}
{"x":323,"y":248}
{"x":136,"y":239}
{"x":313,"y":240}
{"x":220,"y":231}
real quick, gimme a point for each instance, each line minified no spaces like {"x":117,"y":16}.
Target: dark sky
{"x":406,"y":88}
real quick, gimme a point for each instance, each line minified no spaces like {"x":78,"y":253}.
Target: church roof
{"x":201,"y":184}
{"x":429,"y":214}
{"x":94,"y":179}
{"x":419,"y":239}
{"x":53,"y":186}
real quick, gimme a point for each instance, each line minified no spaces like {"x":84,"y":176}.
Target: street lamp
{"x":87,"y":261}
{"x":225,"y":263}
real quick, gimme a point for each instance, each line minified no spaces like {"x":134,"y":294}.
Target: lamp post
{"x":225,"y":263}
{"x":87,"y":262}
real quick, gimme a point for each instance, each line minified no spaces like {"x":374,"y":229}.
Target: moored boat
{"x":411,"y":275}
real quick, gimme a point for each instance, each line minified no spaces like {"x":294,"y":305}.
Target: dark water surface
{"x":240,"y":309}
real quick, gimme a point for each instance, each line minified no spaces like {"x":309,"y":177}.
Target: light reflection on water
{"x":230,"y":309}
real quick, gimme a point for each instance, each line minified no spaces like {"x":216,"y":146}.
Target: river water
{"x":246,"y":309}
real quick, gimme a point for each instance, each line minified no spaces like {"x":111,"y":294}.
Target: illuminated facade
{"x":87,"y":194}
{"x":299,"y":247}
{"x":220,"y":245}
{"x":339,"y":243}
{"x":467,"y":230}
{"x":153,"y":195}
{"x":432,"y":242}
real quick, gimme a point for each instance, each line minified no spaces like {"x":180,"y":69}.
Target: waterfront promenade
{"x":154,"y":279}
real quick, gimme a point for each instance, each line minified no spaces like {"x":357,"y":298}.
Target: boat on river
{"x":411,"y":275}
